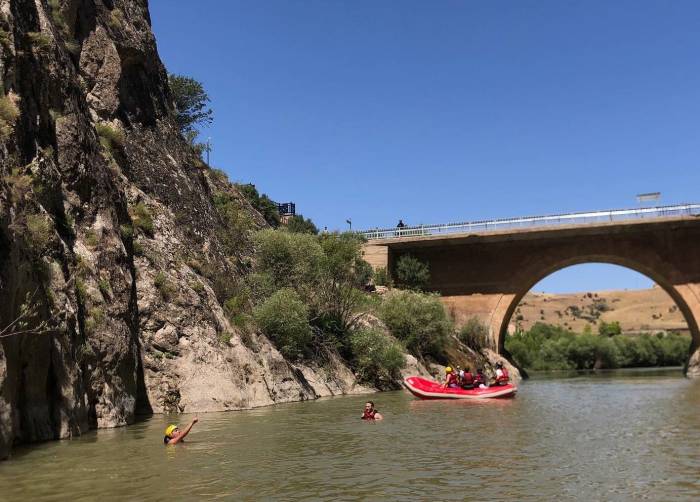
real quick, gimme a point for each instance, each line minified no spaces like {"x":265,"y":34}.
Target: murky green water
{"x":615,"y":436}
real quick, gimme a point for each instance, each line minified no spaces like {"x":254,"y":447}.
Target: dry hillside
{"x":645,"y":310}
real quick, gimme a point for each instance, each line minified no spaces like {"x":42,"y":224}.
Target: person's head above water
{"x":370,"y":412}
{"x":174,"y":435}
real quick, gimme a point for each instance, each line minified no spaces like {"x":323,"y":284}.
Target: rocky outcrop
{"x":111,"y":248}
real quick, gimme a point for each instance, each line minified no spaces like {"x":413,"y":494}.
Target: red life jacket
{"x":504,"y":376}
{"x":479,"y":378}
{"x":468,"y":378}
{"x":452,"y":379}
{"x":368,"y":415}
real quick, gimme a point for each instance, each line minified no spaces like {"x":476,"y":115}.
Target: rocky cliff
{"x":111,"y":244}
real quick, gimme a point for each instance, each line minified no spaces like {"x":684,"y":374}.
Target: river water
{"x":609,"y":436}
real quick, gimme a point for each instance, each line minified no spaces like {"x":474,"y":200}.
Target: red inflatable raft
{"x":430,"y":389}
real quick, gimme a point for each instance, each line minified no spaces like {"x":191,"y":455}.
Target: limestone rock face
{"x":110,"y":238}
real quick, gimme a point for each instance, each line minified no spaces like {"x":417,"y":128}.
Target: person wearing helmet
{"x":501,"y":374}
{"x":174,"y":435}
{"x":451,"y":379}
{"x":370,"y":412}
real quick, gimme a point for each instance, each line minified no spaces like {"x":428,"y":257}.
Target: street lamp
{"x":349,"y":222}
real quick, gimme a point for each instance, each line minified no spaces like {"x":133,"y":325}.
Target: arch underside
{"x":682,"y":294}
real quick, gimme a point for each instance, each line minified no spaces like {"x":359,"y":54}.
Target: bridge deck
{"x":535,"y":223}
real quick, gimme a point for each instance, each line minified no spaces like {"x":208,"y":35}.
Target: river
{"x":623,"y":435}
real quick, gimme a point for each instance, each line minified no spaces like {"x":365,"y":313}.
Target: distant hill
{"x":638,"y":311}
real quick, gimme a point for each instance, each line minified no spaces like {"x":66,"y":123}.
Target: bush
{"x":284,"y":318}
{"x":236,"y":223}
{"x":289,"y":260}
{"x":418,"y":320}
{"x":381,"y":277}
{"x":39,"y":233}
{"x":300,"y":225}
{"x":163,"y":285}
{"x":142,"y":218}
{"x":377,"y":358}
{"x":40,"y":41}
{"x":9,"y":113}
{"x":111,"y":138}
{"x":609,"y":328}
{"x":412,"y":273}
{"x":261,"y":203}
{"x":474,"y":334}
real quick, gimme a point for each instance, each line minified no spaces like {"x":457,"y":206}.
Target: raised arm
{"x":184,"y":433}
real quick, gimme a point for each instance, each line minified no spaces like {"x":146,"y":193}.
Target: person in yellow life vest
{"x":174,"y":435}
{"x":451,"y":380}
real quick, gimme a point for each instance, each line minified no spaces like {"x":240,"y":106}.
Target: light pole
{"x":349,"y":222}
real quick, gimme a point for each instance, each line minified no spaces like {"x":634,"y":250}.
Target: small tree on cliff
{"x":191,"y":105}
{"x":411,"y":273}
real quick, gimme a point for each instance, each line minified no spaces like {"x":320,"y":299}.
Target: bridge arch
{"x":486,"y":274}
{"x":685,"y":297}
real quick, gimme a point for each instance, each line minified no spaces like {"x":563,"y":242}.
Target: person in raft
{"x":467,"y":379}
{"x":451,"y":380}
{"x":370,"y":412}
{"x":480,"y":379}
{"x":501,"y":374}
{"x":174,"y":435}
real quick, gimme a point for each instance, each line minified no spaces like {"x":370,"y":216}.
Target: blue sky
{"x":450,"y":110}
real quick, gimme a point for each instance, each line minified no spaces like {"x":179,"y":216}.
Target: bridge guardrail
{"x":534,"y":221}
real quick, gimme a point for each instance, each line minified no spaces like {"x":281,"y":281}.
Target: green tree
{"x":284,"y":318}
{"x":191,"y":104}
{"x":411,"y":273}
{"x":300,"y":225}
{"x":474,"y":334}
{"x":609,"y":328}
{"x":377,"y":358}
{"x":418,"y":320}
{"x":261,"y":203}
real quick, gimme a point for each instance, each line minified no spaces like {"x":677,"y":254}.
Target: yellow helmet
{"x":448,"y":369}
{"x":169,"y":430}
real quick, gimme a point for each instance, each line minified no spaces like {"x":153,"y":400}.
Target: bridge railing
{"x":534,"y":221}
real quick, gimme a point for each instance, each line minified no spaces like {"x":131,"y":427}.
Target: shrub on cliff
{"x":327,"y":272}
{"x":9,"y":112}
{"x":418,"y":320}
{"x":261,"y":203}
{"x":237,"y":223}
{"x":377,"y":358}
{"x":474,"y":334}
{"x":411,"y":273}
{"x":284,"y":318}
{"x":288,"y":260}
{"x":300,"y":225}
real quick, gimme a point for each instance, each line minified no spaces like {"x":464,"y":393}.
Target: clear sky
{"x":450,"y":110}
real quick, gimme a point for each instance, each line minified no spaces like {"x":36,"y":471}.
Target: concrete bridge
{"x":485,"y":268}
